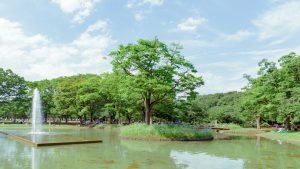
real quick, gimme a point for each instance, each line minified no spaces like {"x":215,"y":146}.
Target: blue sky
{"x":224,"y":39}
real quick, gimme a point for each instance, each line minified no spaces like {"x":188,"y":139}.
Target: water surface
{"x":113,"y":153}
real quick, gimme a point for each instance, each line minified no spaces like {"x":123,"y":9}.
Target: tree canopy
{"x":155,"y":71}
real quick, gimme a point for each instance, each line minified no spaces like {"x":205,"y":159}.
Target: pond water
{"x":113,"y":153}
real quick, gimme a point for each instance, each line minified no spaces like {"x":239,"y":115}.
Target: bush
{"x":165,"y":131}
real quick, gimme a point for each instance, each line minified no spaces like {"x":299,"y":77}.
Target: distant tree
{"x":47,"y":90}
{"x":65,"y":97}
{"x":89,"y":98}
{"x":222,"y":107}
{"x":120,"y":102}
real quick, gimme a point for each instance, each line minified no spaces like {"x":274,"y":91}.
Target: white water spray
{"x":36,"y":116}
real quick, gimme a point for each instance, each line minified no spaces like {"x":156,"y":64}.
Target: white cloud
{"x":282,"y":20}
{"x":138,"y":16}
{"x":146,"y":6}
{"x":216,"y":83}
{"x":136,"y":3}
{"x":191,"y":23}
{"x":37,"y":57}
{"x":79,"y":8}
{"x":238,"y":36}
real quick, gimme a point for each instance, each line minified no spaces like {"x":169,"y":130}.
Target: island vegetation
{"x":153,"y":83}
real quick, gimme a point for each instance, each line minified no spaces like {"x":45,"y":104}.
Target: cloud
{"x":138,"y":16}
{"x":281,"y":20}
{"x":216,"y":83}
{"x":260,"y":54}
{"x":37,"y":57}
{"x":191,"y":24}
{"x":238,"y":36}
{"x":146,"y":6}
{"x":137,"y":3}
{"x":80,"y":9}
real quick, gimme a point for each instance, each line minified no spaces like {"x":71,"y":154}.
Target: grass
{"x":283,"y":136}
{"x":106,"y":126}
{"x":229,"y":126}
{"x":244,"y":131}
{"x":164,"y":132}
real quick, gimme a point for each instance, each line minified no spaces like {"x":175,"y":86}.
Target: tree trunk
{"x":46,"y":118}
{"x":80,"y":119}
{"x":129,"y":120}
{"x":257,"y":121}
{"x":147,"y":105}
{"x":91,"y":117}
{"x":66,"y":119}
{"x":143,"y":115}
{"x":287,"y":123}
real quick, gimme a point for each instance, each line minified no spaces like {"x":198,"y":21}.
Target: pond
{"x":113,"y":153}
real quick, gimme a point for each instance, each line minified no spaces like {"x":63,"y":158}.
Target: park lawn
{"x":228,"y":126}
{"x":289,"y":136}
{"x":164,"y":132}
{"x":245,"y":131}
{"x":107,"y":126}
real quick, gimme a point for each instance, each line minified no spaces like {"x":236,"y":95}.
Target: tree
{"x":120,"y":102}
{"x":258,"y":100}
{"x":13,"y":94}
{"x":47,"y":90}
{"x":288,"y":96}
{"x":89,"y":98}
{"x":65,"y":97}
{"x":156,"y":72}
{"x":274,"y":94}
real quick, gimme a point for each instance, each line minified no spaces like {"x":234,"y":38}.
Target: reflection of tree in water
{"x":255,"y":153}
{"x":13,"y":154}
{"x":116,"y":153}
{"x":152,"y":154}
{"x":17,"y":155}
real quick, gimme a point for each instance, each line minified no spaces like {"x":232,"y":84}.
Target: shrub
{"x":165,"y":131}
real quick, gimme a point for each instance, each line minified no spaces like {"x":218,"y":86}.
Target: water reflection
{"x":201,"y":160}
{"x":233,"y":153}
{"x":34,"y":159}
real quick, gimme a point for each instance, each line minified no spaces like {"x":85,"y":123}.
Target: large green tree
{"x":13,"y":94}
{"x":274,"y":94}
{"x":156,"y":71}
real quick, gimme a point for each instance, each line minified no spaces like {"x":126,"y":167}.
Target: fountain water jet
{"x":36,"y":115}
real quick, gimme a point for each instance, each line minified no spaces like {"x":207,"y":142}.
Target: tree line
{"x":154,"y":82}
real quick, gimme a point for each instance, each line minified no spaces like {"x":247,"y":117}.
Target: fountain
{"x":36,"y":116}
{"x":37,"y":137}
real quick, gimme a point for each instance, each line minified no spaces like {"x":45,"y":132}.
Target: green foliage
{"x":156,"y":131}
{"x":222,"y":107}
{"x":274,"y":94}
{"x":155,"y":71}
{"x":13,"y":95}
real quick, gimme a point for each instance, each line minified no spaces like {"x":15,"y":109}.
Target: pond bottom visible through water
{"x":113,"y":153}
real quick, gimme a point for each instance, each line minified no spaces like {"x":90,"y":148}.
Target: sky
{"x":224,"y":39}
